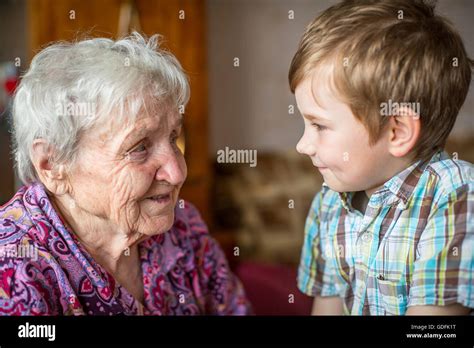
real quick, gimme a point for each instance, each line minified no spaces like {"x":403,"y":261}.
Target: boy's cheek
{"x":342,"y":153}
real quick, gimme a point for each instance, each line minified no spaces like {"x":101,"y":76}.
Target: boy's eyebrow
{"x":315,"y":117}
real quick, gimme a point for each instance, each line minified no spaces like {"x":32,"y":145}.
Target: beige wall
{"x":249,"y":104}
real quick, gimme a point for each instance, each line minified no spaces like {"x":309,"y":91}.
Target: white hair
{"x":69,"y":87}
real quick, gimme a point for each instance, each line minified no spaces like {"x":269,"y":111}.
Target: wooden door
{"x":182,"y":23}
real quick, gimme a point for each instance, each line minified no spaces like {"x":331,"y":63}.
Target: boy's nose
{"x":305,"y":147}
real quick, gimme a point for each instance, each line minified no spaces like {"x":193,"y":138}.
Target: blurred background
{"x":237,"y":54}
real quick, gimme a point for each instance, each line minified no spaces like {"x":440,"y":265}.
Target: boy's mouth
{"x":319,"y":166}
{"x":321,"y":169}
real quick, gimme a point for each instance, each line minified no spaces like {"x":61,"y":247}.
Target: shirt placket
{"x":365,"y":250}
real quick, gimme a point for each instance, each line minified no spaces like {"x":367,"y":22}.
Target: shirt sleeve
{"x":222,"y":291}
{"x":443,"y":268}
{"x":316,"y":276}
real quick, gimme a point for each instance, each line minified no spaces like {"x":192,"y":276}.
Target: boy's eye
{"x":318,"y":126}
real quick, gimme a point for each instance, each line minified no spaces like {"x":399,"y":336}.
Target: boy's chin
{"x":334,"y":184}
{"x":340,"y":187}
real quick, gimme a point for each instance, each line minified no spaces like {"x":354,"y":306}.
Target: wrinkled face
{"x":131,"y":175}
{"x":336,"y":142}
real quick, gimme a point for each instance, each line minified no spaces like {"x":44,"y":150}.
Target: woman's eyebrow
{"x":133,"y":135}
{"x":144,"y":131}
{"x":138,"y":133}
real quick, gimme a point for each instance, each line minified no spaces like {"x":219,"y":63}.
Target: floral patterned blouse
{"x":44,"y":269}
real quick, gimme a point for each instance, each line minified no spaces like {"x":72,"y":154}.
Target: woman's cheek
{"x":129,"y":187}
{"x":141,"y":180}
{"x":184,"y":167}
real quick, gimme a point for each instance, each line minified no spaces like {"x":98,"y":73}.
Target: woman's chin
{"x":158,"y":224}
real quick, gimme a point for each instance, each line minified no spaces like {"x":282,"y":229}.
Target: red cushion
{"x":269,"y":287}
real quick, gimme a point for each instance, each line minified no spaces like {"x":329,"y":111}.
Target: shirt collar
{"x":403,"y":184}
{"x":398,"y":188}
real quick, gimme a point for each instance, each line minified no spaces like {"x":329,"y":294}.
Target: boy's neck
{"x":360,"y":199}
{"x":370,"y":192}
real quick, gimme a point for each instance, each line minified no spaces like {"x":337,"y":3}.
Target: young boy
{"x":379,"y":86}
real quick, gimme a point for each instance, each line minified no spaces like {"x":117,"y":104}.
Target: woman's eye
{"x":139,"y":149}
{"x":174,"y":138}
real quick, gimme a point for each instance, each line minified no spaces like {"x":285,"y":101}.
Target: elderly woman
{"x":95,"y":126}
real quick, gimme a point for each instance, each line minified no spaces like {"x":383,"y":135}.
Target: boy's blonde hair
{"x":389,"y":51}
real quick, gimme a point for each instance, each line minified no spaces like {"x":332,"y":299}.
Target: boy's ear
{"x":404,"y":131}
{"x":52,"y":176}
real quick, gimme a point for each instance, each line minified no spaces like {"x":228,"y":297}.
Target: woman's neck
{"x":111,"y":248}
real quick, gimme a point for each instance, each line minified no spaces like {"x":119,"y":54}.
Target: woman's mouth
{"x":161,"y":199}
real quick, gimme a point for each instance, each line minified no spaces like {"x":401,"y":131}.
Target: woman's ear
{"x":404,"y":131}
{"x":52,"y":176}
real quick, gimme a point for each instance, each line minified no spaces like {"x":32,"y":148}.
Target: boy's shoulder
{"x":445,"y":181}
{"x":450,"y":175}
{"x":323,"y":203}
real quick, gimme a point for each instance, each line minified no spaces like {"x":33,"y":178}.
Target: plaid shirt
{"x":413,"y":246}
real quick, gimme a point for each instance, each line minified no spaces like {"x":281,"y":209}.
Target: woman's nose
{"x":172,"y":170}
